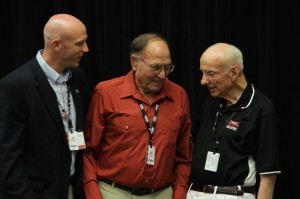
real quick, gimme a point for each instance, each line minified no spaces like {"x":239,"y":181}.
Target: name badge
{"x":212,"y":161}
{"x":76,"y":140}
{"x":150,"y":155}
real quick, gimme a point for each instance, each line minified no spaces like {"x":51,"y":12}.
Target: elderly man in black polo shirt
{"x":236,"y":135}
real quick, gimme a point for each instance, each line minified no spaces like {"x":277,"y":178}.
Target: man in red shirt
{"x":138,"y":130}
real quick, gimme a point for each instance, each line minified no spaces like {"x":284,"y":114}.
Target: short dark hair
{"x":140,"y":42}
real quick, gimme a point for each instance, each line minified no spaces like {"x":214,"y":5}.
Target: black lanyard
{"x":217,"y":138}
{"x":150,"y":127}
{"x":67,"y":115}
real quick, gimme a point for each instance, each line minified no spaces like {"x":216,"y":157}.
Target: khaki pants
{"x":70,"y":195}
{"x":110,"y":192}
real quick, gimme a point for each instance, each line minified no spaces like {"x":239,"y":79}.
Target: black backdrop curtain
{"x":265,"y":30}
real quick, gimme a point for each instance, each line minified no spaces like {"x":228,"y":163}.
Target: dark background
{"x":265,"y":31}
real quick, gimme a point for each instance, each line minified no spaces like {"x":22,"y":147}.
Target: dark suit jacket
{"x":34,"y":154}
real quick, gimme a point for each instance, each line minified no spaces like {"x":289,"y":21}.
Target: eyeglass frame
{"x":153,"y":68}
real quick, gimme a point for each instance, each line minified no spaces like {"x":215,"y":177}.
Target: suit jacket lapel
{"x":77,"y":101}
{"x":49,"y":97}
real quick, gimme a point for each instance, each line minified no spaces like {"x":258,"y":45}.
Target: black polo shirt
{"x":247,"y":136}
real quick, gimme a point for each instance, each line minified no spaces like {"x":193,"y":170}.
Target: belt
{"x":133,"y":190}
{"x":231,"y":190}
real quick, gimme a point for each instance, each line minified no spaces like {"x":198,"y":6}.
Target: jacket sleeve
{"x":13,"y":179}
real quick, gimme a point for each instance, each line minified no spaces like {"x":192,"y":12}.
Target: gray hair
{"x":230,"y":54}
{"x":140,"y":42}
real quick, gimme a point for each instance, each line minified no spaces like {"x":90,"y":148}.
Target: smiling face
{"x":215,"y":77}
{"x":218,"y":71}
{"x":73,"y":46}
{"x":155,"y":54}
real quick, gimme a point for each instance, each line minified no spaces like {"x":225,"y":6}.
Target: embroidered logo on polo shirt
{"x":233,"y":125}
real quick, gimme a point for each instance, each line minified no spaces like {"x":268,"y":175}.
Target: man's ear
{"x":134,"y":62}
{"x":235,"y":71}
{"x":55,"y":44}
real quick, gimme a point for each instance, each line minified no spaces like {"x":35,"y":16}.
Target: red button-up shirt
{"x":117,"y":138}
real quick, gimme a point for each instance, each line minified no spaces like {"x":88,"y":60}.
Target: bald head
{"x":62,"y":26}
{"x":64,"y":42}
{"x":224,"y":53}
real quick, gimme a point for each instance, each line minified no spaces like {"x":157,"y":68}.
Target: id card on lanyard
{"x":76,"y":140}
{"x":150,"y":151}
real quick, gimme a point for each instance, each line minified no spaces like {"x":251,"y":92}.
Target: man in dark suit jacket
{"x":43,"y":103}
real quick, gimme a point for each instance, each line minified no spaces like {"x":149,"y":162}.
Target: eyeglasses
{"x":158,"y":68}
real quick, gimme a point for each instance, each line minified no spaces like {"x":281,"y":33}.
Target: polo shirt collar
{"x":244,"y":101}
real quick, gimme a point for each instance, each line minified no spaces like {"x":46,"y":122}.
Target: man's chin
{"x":213,"y":94}
{"x":156,"y":89}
